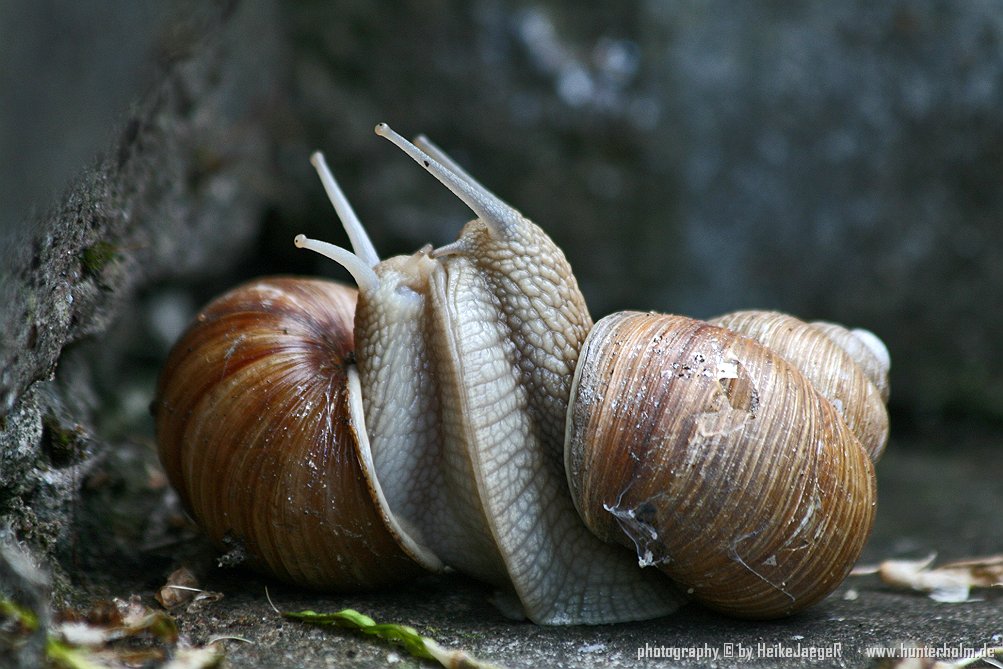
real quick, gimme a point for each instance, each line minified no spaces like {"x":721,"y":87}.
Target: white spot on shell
{"x":874,"y":345}
{"x":727,"y":369}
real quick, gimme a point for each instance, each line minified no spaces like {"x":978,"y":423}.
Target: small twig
{"x":270,"y":602}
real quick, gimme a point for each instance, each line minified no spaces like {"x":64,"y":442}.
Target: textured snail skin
{"x":431,"y":489}
{"x":496,"y":320}
{"x":716,"y":460}
{"x":257,"y":433}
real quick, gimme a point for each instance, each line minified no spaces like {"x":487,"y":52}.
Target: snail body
{"x":475,"y":414}
{"x":502,"y":364}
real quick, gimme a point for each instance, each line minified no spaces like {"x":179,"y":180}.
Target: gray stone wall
{"x":171,"y":192}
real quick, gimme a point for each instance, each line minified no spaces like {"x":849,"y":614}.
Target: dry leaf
{"x":205,"y":657}
{"x":950,"y":582}
{"x":181,"y":588}
{"x":119,"y":633}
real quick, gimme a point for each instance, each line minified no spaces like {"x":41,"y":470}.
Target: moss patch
{"x":97,"y":256}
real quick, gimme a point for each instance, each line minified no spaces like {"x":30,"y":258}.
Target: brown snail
{"x":277,"y":353}
{"x":718,"y":461}
{"x":468,"y":432}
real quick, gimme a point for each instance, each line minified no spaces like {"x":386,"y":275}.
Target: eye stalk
{"x":361,"y":244}
{"x":499,"y":217}
{"x":363,"y":274}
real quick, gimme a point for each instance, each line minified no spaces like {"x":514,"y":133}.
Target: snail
{"x":267,"y":360}
{"x":461,"y":411}
{"x":743,"y":482}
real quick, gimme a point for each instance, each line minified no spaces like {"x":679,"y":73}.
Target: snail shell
{"x":718,"y":461}
{"x":260,"y":430}
{"x":855,"y":384}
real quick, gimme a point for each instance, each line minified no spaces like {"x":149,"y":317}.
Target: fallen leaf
{"x":408,"y":637}
{"x":181,"y":588}
{"x":23,"y":618}
{"x":85,"y":634}
{"x":950,"y":582}
{"x":206,"y":657}
{"x":65,"y":655}
{"x":111,"y":635}
{"x":137,"y":618}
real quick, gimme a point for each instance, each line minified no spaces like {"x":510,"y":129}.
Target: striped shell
{"x":718,"y":461}
{"x":260,"y":429}
{"x":848,"y":367}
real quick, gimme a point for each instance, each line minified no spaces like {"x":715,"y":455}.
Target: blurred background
{"x":839,"y":161}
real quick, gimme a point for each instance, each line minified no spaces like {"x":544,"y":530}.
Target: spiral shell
{"x":260,"y":429}
{"x":841,"y":364}
{"x":718,"y":461}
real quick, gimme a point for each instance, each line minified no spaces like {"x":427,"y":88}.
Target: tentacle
{"x":432,"y":149}
{"x":500,"y":217}
{"x":363,"y":248}
{"x":363,"y":274}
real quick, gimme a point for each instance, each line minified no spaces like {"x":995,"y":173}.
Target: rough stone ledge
{"x":174,"y":196}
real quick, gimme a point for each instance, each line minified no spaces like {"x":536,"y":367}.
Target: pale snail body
{"x":466,"y":357}
{"x":502,"y":370}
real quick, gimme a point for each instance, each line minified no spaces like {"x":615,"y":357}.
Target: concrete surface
{"x":931,"y":500}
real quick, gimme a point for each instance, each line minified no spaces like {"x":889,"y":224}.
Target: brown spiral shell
{"x":833,"y":360}
{"x":716,"y":460}
{"x":261,"y":436}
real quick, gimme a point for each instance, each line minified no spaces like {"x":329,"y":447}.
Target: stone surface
{"x":172,"y":196}
{"x":930,"y":501}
